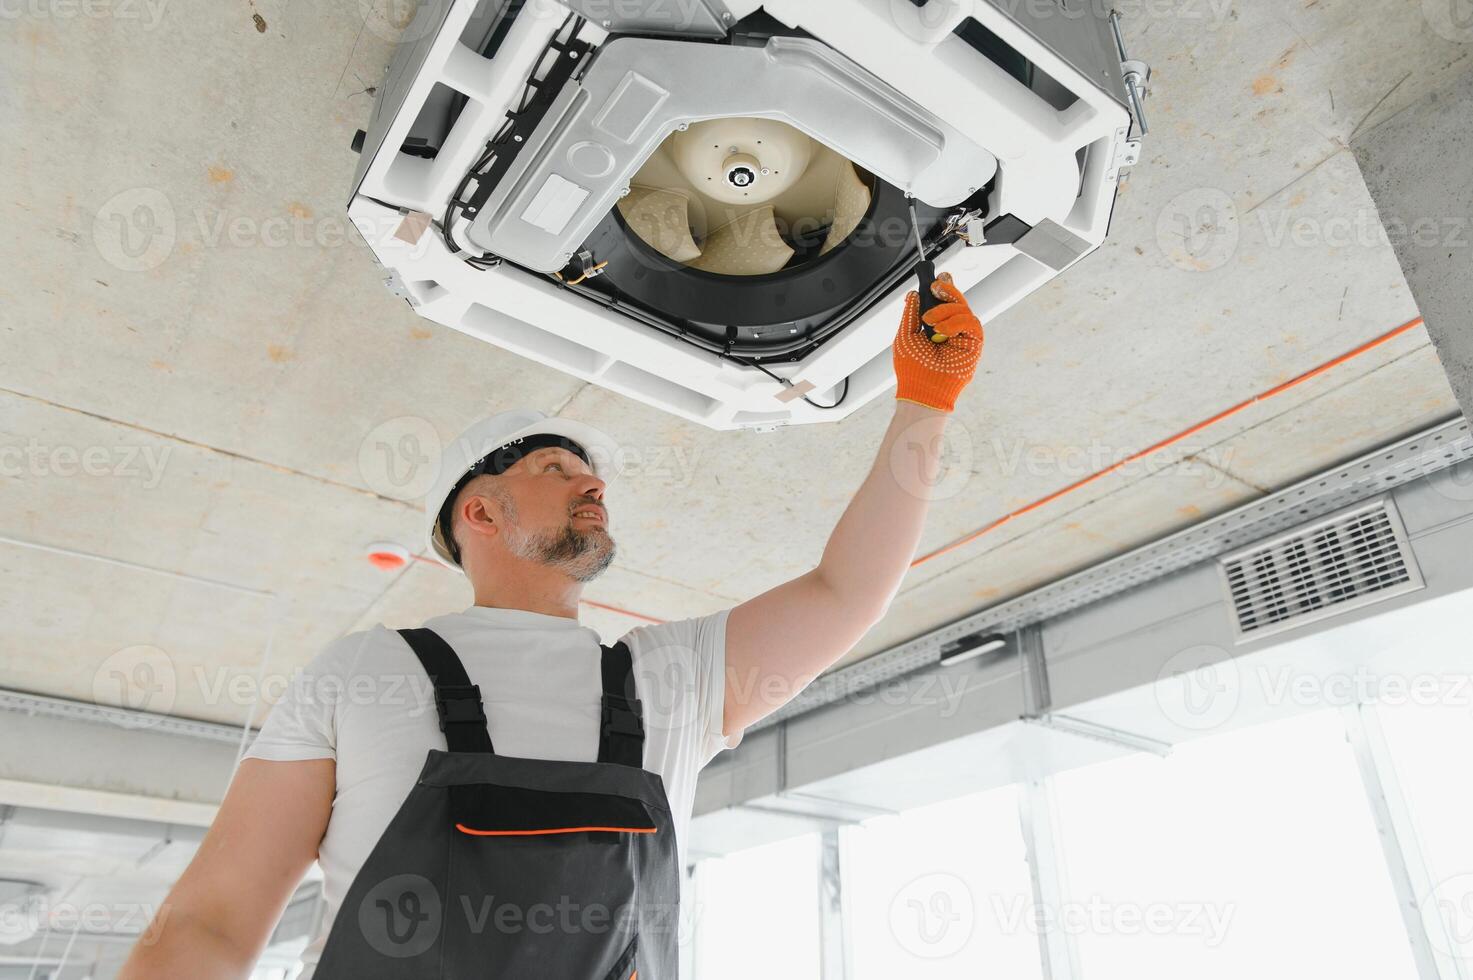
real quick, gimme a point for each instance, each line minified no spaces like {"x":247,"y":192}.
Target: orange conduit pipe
{"x":1279,"y":389}
{"x":1172,"y":440}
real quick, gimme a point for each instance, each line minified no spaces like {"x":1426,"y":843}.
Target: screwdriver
{"x":925,"y":273}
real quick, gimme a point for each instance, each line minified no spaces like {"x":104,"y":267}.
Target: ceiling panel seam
{"x":229,"y":454}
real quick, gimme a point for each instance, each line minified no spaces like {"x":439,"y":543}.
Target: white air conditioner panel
{"x":1055,"y":171}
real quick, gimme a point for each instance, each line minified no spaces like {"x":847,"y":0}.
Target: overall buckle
{"x":624,"y":718}
{"x":460,"y":703}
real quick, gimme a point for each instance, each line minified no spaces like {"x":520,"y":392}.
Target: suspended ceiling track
{"x":1412,"y":458}
{"x":22,"y":702}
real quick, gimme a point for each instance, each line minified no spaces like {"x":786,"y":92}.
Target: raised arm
{"x":778,"y":642}
{"x":218,"y":916}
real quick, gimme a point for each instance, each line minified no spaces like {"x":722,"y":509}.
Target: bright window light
{"x":941,"y":892}
{"x":756,"y":913}
{"x":1430,"y":745}
{"x":1249,"y":853}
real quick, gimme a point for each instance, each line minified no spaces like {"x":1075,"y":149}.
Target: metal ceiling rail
{"x":1433,"y":449}
{"x":42,"y":705}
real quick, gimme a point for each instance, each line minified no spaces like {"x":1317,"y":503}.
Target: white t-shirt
{"x":367,"y":702}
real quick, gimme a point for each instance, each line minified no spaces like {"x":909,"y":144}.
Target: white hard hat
{"x":481,"y":440}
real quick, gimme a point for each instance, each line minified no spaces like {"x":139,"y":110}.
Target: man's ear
{"x":480,"y":512}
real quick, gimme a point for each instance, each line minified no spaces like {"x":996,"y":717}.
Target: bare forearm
{"x":875,"y":540}
{"x":180,"y":945}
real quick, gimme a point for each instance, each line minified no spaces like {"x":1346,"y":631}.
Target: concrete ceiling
{"x":232,"y":387}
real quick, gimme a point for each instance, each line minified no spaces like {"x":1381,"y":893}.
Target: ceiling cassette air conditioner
{"x":703,"y":205}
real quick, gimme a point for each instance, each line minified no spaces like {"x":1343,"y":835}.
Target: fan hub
{"x":741,"y":170}
{"x":741,"y":160}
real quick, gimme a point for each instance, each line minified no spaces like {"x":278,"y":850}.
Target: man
{"x":500,"y":760}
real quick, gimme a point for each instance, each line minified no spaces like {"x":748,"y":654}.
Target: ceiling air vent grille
{"x":1351,"y":558}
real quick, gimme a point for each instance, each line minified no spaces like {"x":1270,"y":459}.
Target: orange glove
{"x":933,"y":366}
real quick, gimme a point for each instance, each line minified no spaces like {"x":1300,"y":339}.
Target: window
{"x":756,"y":913}
{"x":1430,"y":743}
{"x":1250,"y":853}
{"x":941,"y":892}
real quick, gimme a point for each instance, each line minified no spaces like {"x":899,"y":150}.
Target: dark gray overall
{"x":497,"y":868}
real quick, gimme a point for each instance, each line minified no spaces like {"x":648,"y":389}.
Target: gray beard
{"x":582,"y":556}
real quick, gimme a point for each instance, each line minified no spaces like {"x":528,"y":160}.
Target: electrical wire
{"x":588,"y":273}
{"x":1172,"y":440}
{"x":476,"y":170}
{"x":845,"y":393}
{"x":842,"y":395}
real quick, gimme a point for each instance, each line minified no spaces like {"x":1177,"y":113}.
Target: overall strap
{"x":621,"y":724}
{"x":462,"y":715}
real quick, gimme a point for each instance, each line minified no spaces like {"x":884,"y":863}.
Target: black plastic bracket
{"x":458,"y":704}
{"x":623,"y":719}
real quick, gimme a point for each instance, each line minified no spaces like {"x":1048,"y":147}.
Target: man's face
{"x":555,"y":514}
